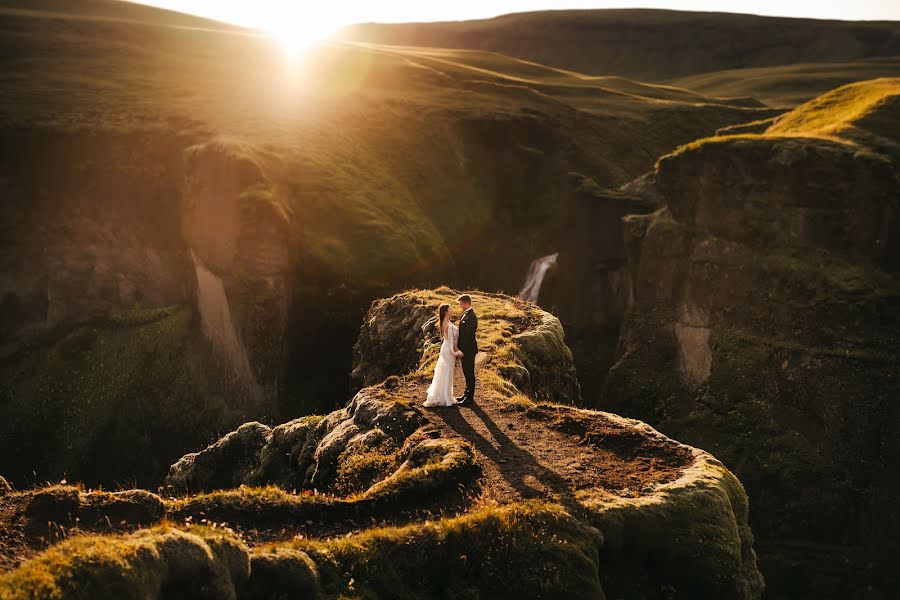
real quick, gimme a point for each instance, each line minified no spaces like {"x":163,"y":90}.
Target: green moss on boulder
{"x":164,"y":561}
{"x":530,"y":550}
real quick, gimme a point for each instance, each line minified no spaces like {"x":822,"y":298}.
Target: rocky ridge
{"x":523,"y":526}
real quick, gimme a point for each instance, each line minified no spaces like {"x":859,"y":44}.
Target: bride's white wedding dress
{"x":440,"y":392}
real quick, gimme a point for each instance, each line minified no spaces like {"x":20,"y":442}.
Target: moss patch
{"x":197,"y":563}
{"x":531,"y":550}
{"x":114,"y":401}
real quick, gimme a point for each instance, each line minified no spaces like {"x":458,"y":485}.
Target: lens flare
{"x":297,"y":36}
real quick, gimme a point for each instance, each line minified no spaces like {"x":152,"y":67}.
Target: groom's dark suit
{"x":468,"y":345}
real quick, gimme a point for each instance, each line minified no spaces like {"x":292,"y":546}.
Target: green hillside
{"x":789,"y":85}
{"x":649,"y":45}
{"x":344,"y":117}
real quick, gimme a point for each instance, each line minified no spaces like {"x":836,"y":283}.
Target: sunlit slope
{"x":363,"y":143}
{"x":116,"y":10}
{"x":609,"y":95}
{"x":789,"y":85}
{"x":868,"y":106}
{"x":864,"y":114}
{"x":654,"y":45}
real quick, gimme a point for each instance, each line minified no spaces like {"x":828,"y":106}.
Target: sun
{"x":299,"y":36}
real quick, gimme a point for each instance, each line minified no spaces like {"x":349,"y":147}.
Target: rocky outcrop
{"x":380,"y":455}
{"x":392,"y":338}
{"x":306,"y":453}
{"x":763,"y":327}
{"x":703,"y":513}
{"x":224,"y":464}
{"x":399,"y":336}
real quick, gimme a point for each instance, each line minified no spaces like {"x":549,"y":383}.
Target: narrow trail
{"x":553,"y":454}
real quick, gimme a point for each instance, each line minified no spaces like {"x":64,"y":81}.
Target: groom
{"x":468,"y":325}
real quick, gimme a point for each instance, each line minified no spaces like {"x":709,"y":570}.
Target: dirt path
{"x":551,"y":453}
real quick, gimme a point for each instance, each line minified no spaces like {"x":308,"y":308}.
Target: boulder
{"x":132,"y":507}
{"x":56,"y":504}
{"x":282,"y":573}
{"x":391,"y":338}
{"x":202,"y":563}
{"x":223,"y":464}
{"x":300,"y":454}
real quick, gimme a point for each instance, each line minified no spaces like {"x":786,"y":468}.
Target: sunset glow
{"x":291,"y":22}
{"x":298,"y":36}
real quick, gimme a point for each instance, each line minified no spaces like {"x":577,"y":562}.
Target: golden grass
{"x":835,"y":112}
{"x":789,"y":85}
{"x":836,"y":116}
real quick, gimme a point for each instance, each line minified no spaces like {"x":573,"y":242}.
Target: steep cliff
{"x":512,"y":497}
{"x":763,"y":326}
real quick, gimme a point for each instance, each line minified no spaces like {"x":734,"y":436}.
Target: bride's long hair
{"x":442,"y":314}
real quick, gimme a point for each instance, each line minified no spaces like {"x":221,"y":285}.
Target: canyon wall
{"x":762,"y":326}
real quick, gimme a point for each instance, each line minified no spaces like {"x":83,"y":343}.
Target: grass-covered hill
{"x":518,"y":496}
{"x":789,"y":85}
{"x":649,"y":45}
{"x":764,"y":328}
{"x":185,"y":185}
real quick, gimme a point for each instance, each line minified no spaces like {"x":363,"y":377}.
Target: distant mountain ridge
{"x":115,"y":10}
{"x":647,"y":44}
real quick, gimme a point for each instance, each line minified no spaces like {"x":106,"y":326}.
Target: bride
{"x":440,"y":392}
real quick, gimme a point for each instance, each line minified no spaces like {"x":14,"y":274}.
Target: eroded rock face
{"x":223,"y":464}
{"x":75,"y":248}
{"x":589,"y":289}
{"x":763,"y":327}
{"x":391,"y":339}
{"x":302,"y":454}
{"x":238,"y":238}
{"x":399,"y":335}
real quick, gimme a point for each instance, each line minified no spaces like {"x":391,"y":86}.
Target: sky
{"x":286,"y":18}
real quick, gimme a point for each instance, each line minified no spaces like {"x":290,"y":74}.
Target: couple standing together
{"x":457,"y":342}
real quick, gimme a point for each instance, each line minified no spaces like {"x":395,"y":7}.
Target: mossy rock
{"x":531,"y":550}
{"x":224,"y":464}
{"x":282,"y":574}
{"x":57,"y":504}
{"x":164,"y":561}
{"x":131,"y":507}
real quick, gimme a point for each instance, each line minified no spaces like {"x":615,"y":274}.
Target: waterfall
{"x":218,"y":325}
{"x":536,"y":272}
